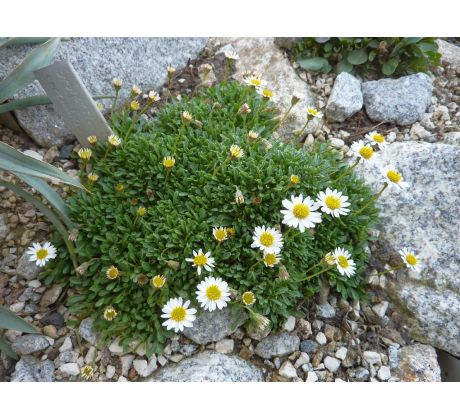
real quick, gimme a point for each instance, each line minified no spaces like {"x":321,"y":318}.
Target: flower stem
{"x":316,"y":265}
{"x":227,"y":68}
{"x":114,"y":104}
{"x":347,"y":171}
{"x":220,"y":167}
{"x":285,"y":116}
{"x":318,"y":273}
{"x":373,"y":199}
{"x":398,"y":267}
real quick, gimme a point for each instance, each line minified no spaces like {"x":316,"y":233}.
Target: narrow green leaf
{"x":23,"y":74}
{"x":52,"y":196}
{"x":6,"y":348}
{"x":10,"y":321}
{"x":402,"y":44}
{"x":19,"y":163}
{"x":6,"y":42}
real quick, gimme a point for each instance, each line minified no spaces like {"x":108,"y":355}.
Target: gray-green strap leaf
{"x":10,"y":321}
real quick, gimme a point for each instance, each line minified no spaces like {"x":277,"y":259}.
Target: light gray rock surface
{"x":27,"y":269}
{"x":277,"y":345}
{"x":210,"y":366}
{"x":4,"y":227}
{"x":450,"y":53}
{"x":140,"y":61}
{"x":346,"y":98}
{"x":402,"y":101}
{"x":87,"y":332}
{"x":424,"y":218}
{"x":418,"y":363}
{"x":212,"y":326}
{"x":264,"y":56}
{"x":30,"y":343}
{"x":30,"y":369}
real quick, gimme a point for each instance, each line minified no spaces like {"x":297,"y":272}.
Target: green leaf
{"x":357,"y":57}
{"x":315,"y":64}
{"x":6,"y":348}
{"x":402,"y":44}
{"x":372,"y":55}
{"x":19,"y":163}
{"x":52,"y":196}
{"x":389,"y":67}
{"x":10,"y":321}
{"x":6,"y":42}
{"x":23,"y":74}
{"x":344,"y":66}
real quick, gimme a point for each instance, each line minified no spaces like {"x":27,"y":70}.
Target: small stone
{"x":29,"y":369}
{"x":372,"y":357}
{"x":308,"y":346}
{"x":162,"y":360}
{"x":287,"y":370}
{"x":341,"y":353}
{"x":126,"y":363}
{"x":68,"y":356}
{"x":86,"y":331}
{"x":110,"y":372}
{"x":336,"y":143}
{"x":346,"y":98}
{"x":303,"y":359}
{"x":312,"y":377}
{"x":289,"y":325}
{"x":27,"y":269}
{"x":384,"y":373}
{"x":51,"y":296}
{"x":67,"y":345}
{"x":381,"y":308}
{"x":50,"y":331}
{"x":122,"y":379}
{"x":188,"y":349}
{"x":317,"y":357}
{"x":90,"y":355}
{"x":30,"y":343}
{"x":225,"y":346}
{"x":326,"y":310}
{"x":70,"y":369}
{"x":331,"y":364}
{"x":280,"y":344}
{"x":176,"y":358}
{"x":33,"y":154}
{"x":115,"y":347}
{"x":321,"y":338}
{"x":17,"y":307}
{"x":303,"y":328}
{"x":358,"y":375}
{"x":245,"y":352}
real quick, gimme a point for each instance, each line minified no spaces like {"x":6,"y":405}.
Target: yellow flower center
{"x":333,"y":202}
{"x":141,"y":211}
{"x":295,"y":179}
{"x":394,"y":176}
{"x":301,"y":211}
{"x":220,"y":234}
{"x":42,"y":254}
{"x":267,"y":93}
{"x":312,"y":111}
{"x":270,"y":259}
{"x":378,"y":138}
{"x":255,"y":82}
{"x":343,"y":261}
{"x":158,"y":281}
{"x":366,"y":152}
{"x":411,"y":259}
{"x":112,"y":273}
{"x":200,"y":260}
{"x":248,"y":298}
{"x":267,"y":239}
{"x":168,"y":163}
{"x":213,"y":292}
{"x":120,"y":187}
{"x":110,"y":314}
{"x":178,"y":314}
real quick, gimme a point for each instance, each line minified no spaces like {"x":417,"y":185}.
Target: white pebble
{"x":287,"y":370}
{"x":372,"y":357}
{"x":332,"y":364}
{"x":289,"y":325}
{"x":384,"y":373}
{"x":110,"y":372}
{"x":303,"y":359}
{"x":341,"y":353}
{"x":225,"y":346}
{"x":71,"y":369}
{"x":67,"y":345}
{"x":381,"y":308}
{"x":311,"y":377}
{"x":321,"y":338}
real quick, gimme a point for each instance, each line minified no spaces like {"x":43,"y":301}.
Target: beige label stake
{"x":72,"y":101}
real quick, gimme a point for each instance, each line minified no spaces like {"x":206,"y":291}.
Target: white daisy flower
{"x":254,"y":80}
{"x":178,"y":314}
{"x":267,"y":239}
{"x":231,"y":55}
{"x":236,"y":152}
{"x":313,"y":113}
{"x":376,"y":138}
{"x":300,"y":212}
{"x":201,"y":261}
{"x":220,"y":234}
{"x":362,"y":150}
{"x":271,"y":259}
{"x":393,"y":177}
{"x":213,"y":293}
{"x":333,"y":202}
{"x":343,"y":261}
{"x":410,"y":260}
{"x":41,"y":254}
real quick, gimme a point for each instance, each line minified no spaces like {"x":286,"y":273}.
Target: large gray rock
{"x":30,"y":343}
{"x":418,"y":363}
{"x":210,"y":366}
{"x":30,"y":369}
{"x":280,"y":344}
{"x":346,"y":98}
{"x":450,"y":53}
{"x":402,"y":101}
{"x":213,"y":326}
{"x":425,"y":218}
{"x":27,"y":269}
{"x":263,"y":56}
{"x":140,"y":61}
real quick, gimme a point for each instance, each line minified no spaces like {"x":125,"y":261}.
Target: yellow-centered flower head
{"x":87,"y":372}
{"x":362,"y":150}
{"x":411,"y":260}
{"x":117,"y":83}
{"x":376,"y":138}
{"x":244,"y":109}
{"x":248,"y":298}
{"x":134,"y":106}
{"x":169,"y":162}
{"x":114,"y":140}
{"x":92,"y":140}
{"x":141,"y":211}
{"x":236,"y":152}
{"x":295,"y":179}
{"x":119,"y":187}
{"x":93,"y":177}
{"x":187,"y":117}
{"x":158,"y":281}
{"x":112,"y":272}
{"x":154,"y":96}
{"x":110,"y":313}
{"x":85,"y":153}
{"x":220,"y":234}
{"x":253,"y":135}
{"x":313,"y":113}
{"x":271,"y":259}
{"x":136,"y":90}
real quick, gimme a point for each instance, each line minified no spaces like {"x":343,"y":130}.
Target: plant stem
{"x":227,"y":68}
{"x":318,"y":273}
{"x":398,"y":267}
{"x":220,"y":166}
{"x":301,"y":131}
{"x":347,"y":171}
{"x":280,"y":123}
{"x":114,"y":104}
{"x":316,"y":265}
{"x":373,"y":199}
